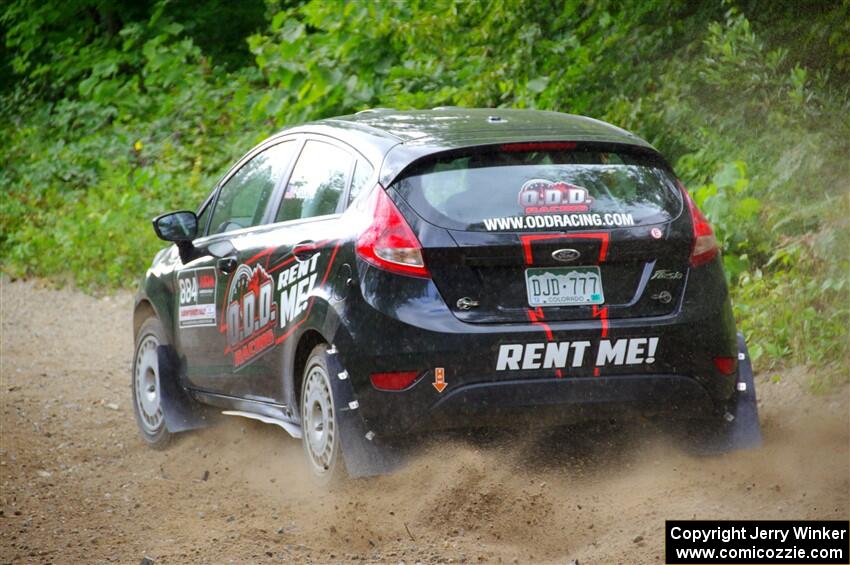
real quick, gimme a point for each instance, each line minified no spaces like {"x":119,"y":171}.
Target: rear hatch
{"x":515,"y":232}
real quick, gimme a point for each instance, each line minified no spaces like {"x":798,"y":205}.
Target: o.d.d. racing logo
{"x":251,"y":312}
{"x":540,"y":196}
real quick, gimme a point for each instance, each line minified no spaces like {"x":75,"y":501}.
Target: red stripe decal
{"x":292,"y":258}
{"x":536,"y":315}
{"x":330,"y":263}
{"x":312,"y":299}
{"x":602,"y":314}
{"x":260,"y":255}
{"x":536,"y":321}
{"x":528,"y":239}
{"x":281,"y":265}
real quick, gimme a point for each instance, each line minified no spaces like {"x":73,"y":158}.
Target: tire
{"x":321,"y":436}
{"x":147,"y":405}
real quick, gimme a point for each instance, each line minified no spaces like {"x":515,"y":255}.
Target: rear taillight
{"x":726,"y":365}
{"x":705,"y":243}
{"x":399,"y":380}
{"x":389,"y":243}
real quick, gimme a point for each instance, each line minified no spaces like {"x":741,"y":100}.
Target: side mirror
{"x":176,"y":226}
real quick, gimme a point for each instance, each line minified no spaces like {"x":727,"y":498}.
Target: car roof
{"x":394,"y":139}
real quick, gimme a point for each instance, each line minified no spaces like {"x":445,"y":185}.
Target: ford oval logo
{"x":565,"y":255}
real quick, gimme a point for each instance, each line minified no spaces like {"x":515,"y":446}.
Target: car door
{"x":307,"y":231}
{"x":209,"y":286}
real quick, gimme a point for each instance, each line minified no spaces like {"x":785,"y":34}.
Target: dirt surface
{"x":78,"y":485}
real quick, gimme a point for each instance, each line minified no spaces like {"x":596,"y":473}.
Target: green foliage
{"x":121,"y":110}
{"x":735,"y":217}
{"x":798,"y":307}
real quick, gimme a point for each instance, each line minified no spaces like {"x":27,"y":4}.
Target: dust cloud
{"x":79,"y":485}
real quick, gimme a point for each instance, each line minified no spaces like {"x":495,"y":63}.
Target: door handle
{"x":305,"y":250}
{"x":226,"y":264}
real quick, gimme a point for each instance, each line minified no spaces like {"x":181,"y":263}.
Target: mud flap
{"x":746,"y":428}
{"x":364,"y":454}
{"x":181,"y":412}
{"x":741,"y":428}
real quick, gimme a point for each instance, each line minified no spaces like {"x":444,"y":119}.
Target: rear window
{"x":542,"y":190}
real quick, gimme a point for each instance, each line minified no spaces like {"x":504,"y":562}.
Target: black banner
{"x":762,"y":542}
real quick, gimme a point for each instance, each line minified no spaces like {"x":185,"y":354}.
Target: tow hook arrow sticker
{"x":439,"y":379}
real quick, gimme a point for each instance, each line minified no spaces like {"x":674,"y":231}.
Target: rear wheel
{"x":147,"y":400}
{"x":319,"y":422}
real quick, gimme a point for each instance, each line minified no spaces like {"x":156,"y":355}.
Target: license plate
{"x":564,"y":286}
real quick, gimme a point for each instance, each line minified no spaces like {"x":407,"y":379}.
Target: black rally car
{"x":377,"y":275}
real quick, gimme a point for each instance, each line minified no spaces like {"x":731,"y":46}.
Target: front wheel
{"x":147,"y":396}
{"x":319,"y":421}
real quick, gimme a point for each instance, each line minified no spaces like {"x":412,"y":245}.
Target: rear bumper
{"x":416,"y":332}
{"x":548,"y":401}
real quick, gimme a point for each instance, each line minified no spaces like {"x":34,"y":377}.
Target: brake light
{"x":393,"y":381}
{"x":389,"y":243}
{"x":538,"y":146}
{"x":726,"y":365}
{"x":705,"y":246}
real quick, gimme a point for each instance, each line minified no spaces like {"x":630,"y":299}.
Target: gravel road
{"x":78,"y":485}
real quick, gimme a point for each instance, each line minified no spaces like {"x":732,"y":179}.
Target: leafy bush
{"x":121,"y":110}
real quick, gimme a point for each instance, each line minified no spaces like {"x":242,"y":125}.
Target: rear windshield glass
{"x":540,"y":190}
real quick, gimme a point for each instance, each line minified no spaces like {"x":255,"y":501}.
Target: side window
{"x":362,"y":173}
{"x":242,"y":200}
{"x":317,"y":182}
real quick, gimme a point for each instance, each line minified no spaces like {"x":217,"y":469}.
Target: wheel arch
{"x":321,"y":326}
{"x":153,"y":299}
{"x":308,"y":340}
{"x":147,"y":308}
{"x":144,"y":309}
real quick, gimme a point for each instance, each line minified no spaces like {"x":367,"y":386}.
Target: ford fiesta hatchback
{"x":369,"y":277}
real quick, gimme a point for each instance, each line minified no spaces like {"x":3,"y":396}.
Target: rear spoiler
{"x":405,"y":156}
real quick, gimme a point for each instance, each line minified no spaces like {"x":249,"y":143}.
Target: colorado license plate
{"x":564,"y":286}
